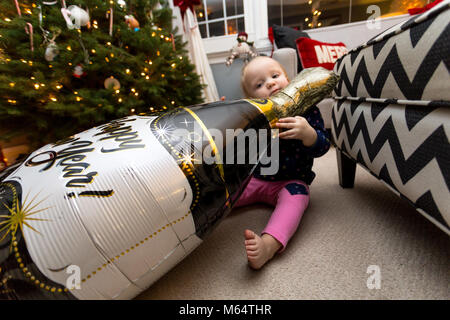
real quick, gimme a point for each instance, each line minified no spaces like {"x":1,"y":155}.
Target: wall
{"x":228,"y":79}
{"x":356,"y":33}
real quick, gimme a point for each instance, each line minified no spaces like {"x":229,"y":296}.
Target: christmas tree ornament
{"x":85,"y":52}
{"x":149,"y":11}
{"x":132,"y":23}
{"x":75,"y":17}
{"x":122,"y":4}
{"x":112,"y":83}
{"x":51,"y":51}
{"x":110,"y":16}
{"x":105,"y":213}
{"x":28,"y":27}
{"x":29,"y":31}
{"x":243,"y":49}
{"x":172,"y":39}
{"x":78,"y":71}
{"x":88,"y":24}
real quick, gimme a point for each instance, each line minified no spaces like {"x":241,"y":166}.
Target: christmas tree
{"x":66,"y":66}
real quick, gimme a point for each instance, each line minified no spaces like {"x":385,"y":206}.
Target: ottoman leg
{"x":347,"y":169}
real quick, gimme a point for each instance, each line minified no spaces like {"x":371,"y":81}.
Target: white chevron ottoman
{"x":391,"y":112}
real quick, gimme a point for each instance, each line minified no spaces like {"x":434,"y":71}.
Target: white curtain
{"x":191,"y":34}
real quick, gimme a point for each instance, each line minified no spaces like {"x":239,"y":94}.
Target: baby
{"x":302,"y":139}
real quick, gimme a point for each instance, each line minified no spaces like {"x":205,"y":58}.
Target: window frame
{"x":257,"y":26}
{"x":225,"y":18}
{"x":218,"y":48}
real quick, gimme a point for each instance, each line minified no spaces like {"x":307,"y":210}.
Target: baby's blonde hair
{"x":243,"y":82}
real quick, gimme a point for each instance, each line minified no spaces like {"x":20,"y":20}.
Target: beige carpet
{"x":342,"y":233}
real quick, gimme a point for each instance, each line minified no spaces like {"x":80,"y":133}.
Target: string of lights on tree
{"x":313,"y":22}
{"x":110,"y":82}
{"x":66,"y":50}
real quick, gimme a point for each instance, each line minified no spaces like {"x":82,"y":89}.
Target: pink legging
{"x":290,"y":199}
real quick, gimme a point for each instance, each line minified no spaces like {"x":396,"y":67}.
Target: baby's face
{"x":264,"y":77}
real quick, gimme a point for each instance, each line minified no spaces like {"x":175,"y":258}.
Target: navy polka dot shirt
{"x":295,"y":160}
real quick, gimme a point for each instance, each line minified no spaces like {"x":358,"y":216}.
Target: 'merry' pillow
{"x":313,"y":53}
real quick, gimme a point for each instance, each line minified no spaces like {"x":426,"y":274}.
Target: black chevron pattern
{"x":419,"y":31}
{"x":348,"y":127}
{"x":436,"y":146}
{"x":411,"y":22}
{"x":354,"y":71}
{"x":392,"y":110}
{"x":411,"y":90}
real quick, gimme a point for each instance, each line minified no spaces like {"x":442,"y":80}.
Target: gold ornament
{"x":112,"y":83}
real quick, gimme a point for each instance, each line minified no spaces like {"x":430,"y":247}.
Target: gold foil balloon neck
{"x":308,"y":88}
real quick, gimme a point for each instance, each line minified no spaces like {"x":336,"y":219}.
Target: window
{"x":309,"y":14}
{"x":220,"y":17}
{"x":220,"y":21}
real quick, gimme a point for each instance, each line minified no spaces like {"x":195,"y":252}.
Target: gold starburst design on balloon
{"x":20,"y":216}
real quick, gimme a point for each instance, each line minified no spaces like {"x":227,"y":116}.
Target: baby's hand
{"x":297,"y":128}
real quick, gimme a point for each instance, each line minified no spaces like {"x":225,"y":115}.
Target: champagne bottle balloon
{"x":105,"y":213}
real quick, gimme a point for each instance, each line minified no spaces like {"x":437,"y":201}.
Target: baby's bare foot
{"x":260,"y":249}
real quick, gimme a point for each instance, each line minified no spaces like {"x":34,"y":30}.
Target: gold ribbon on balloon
{"x":213,"y":145}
